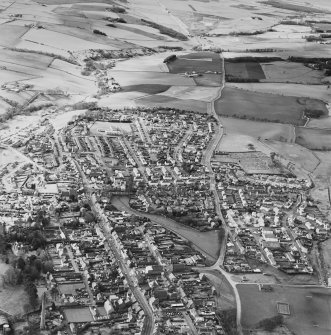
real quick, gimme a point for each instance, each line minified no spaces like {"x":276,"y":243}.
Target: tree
{"x":89,"y":217}
{"x":11,"y":276}
{"x":3,"y":244}
{"x":20,"y":264}
{"x":270,"y":324}
{"x":47,"y":266}
{"x":27,"y":309}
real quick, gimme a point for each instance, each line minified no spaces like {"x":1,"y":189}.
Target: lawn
{"x":314,"y":139}
{"x":244,"y":70}
{"x":264,"y":107}
{"x":309,"y":306}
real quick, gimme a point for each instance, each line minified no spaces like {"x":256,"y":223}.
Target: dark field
{"x":165,"y":101}
{"x":245,"y":70}
{"x":198,"y":62}
{"x":265,"y":107}
{"x":310,"y":307}
{"x":146,"y":88}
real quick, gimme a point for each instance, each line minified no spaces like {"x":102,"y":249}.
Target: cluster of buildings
{"x":269,"y":219}
{"x":161,"y":264}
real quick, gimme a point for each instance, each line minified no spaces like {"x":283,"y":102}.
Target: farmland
{"x":165,"y":101}
{"x":288,"y":72}
{"x":126,"y":78}
{"x":314,"y":139}
{"x":309,"y":307}
{"x":198,"y":62}
{"x":264,"y":107}
{"x":296,"y":154}
{"x":195,"y":93}
{"x":243,"y":71}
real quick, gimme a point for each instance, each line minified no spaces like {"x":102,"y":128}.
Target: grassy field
{"x":321,"y":92}
{"x":12,"y":299}
{"x":310,"y":307}
{"x":244,"y":70}
{"x":289,"y":72}
{"x":195,"y":93}
{"x":326,"y":251}
{"x":209,"y":79}
{"x":264,"y":107}
{"x":236,"y":142}
{"x":314,"y":139}
{"x":264,"y":130}
{"x":126,"y":78}
{"x":296,"y":154}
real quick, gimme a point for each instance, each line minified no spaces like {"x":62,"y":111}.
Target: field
{"x":63,"y":41}
{"x":320,"y":92}
{"x":198,"y":62}
{"x":3,"y":106}
{"x":244,"y":70}
{"x":264,"y":107}
{"x":206,"y":94}
{"x":165,"y":101}
{"x":296,"y":154}
{"x":314,"y":139}
{"x":109,"y":126}
{"x":310,"y":307}
{"x":146,"y":88}
{"x":209,"y":79}
{"x":12,"y":299}
{"x":78,"y":314}
{"x":126,"y":78}
{"x":144,"y":63}
{"x":264,"y":130}
{"x":326,"y":251}
{"x":239,"y":143}
{"x":289,"y":72}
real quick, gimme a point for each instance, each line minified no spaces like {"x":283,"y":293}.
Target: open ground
{"x":265,"y":107}
{"x":309,"y":307}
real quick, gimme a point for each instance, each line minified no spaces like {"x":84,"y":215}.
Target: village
{"x":121,"y":271}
